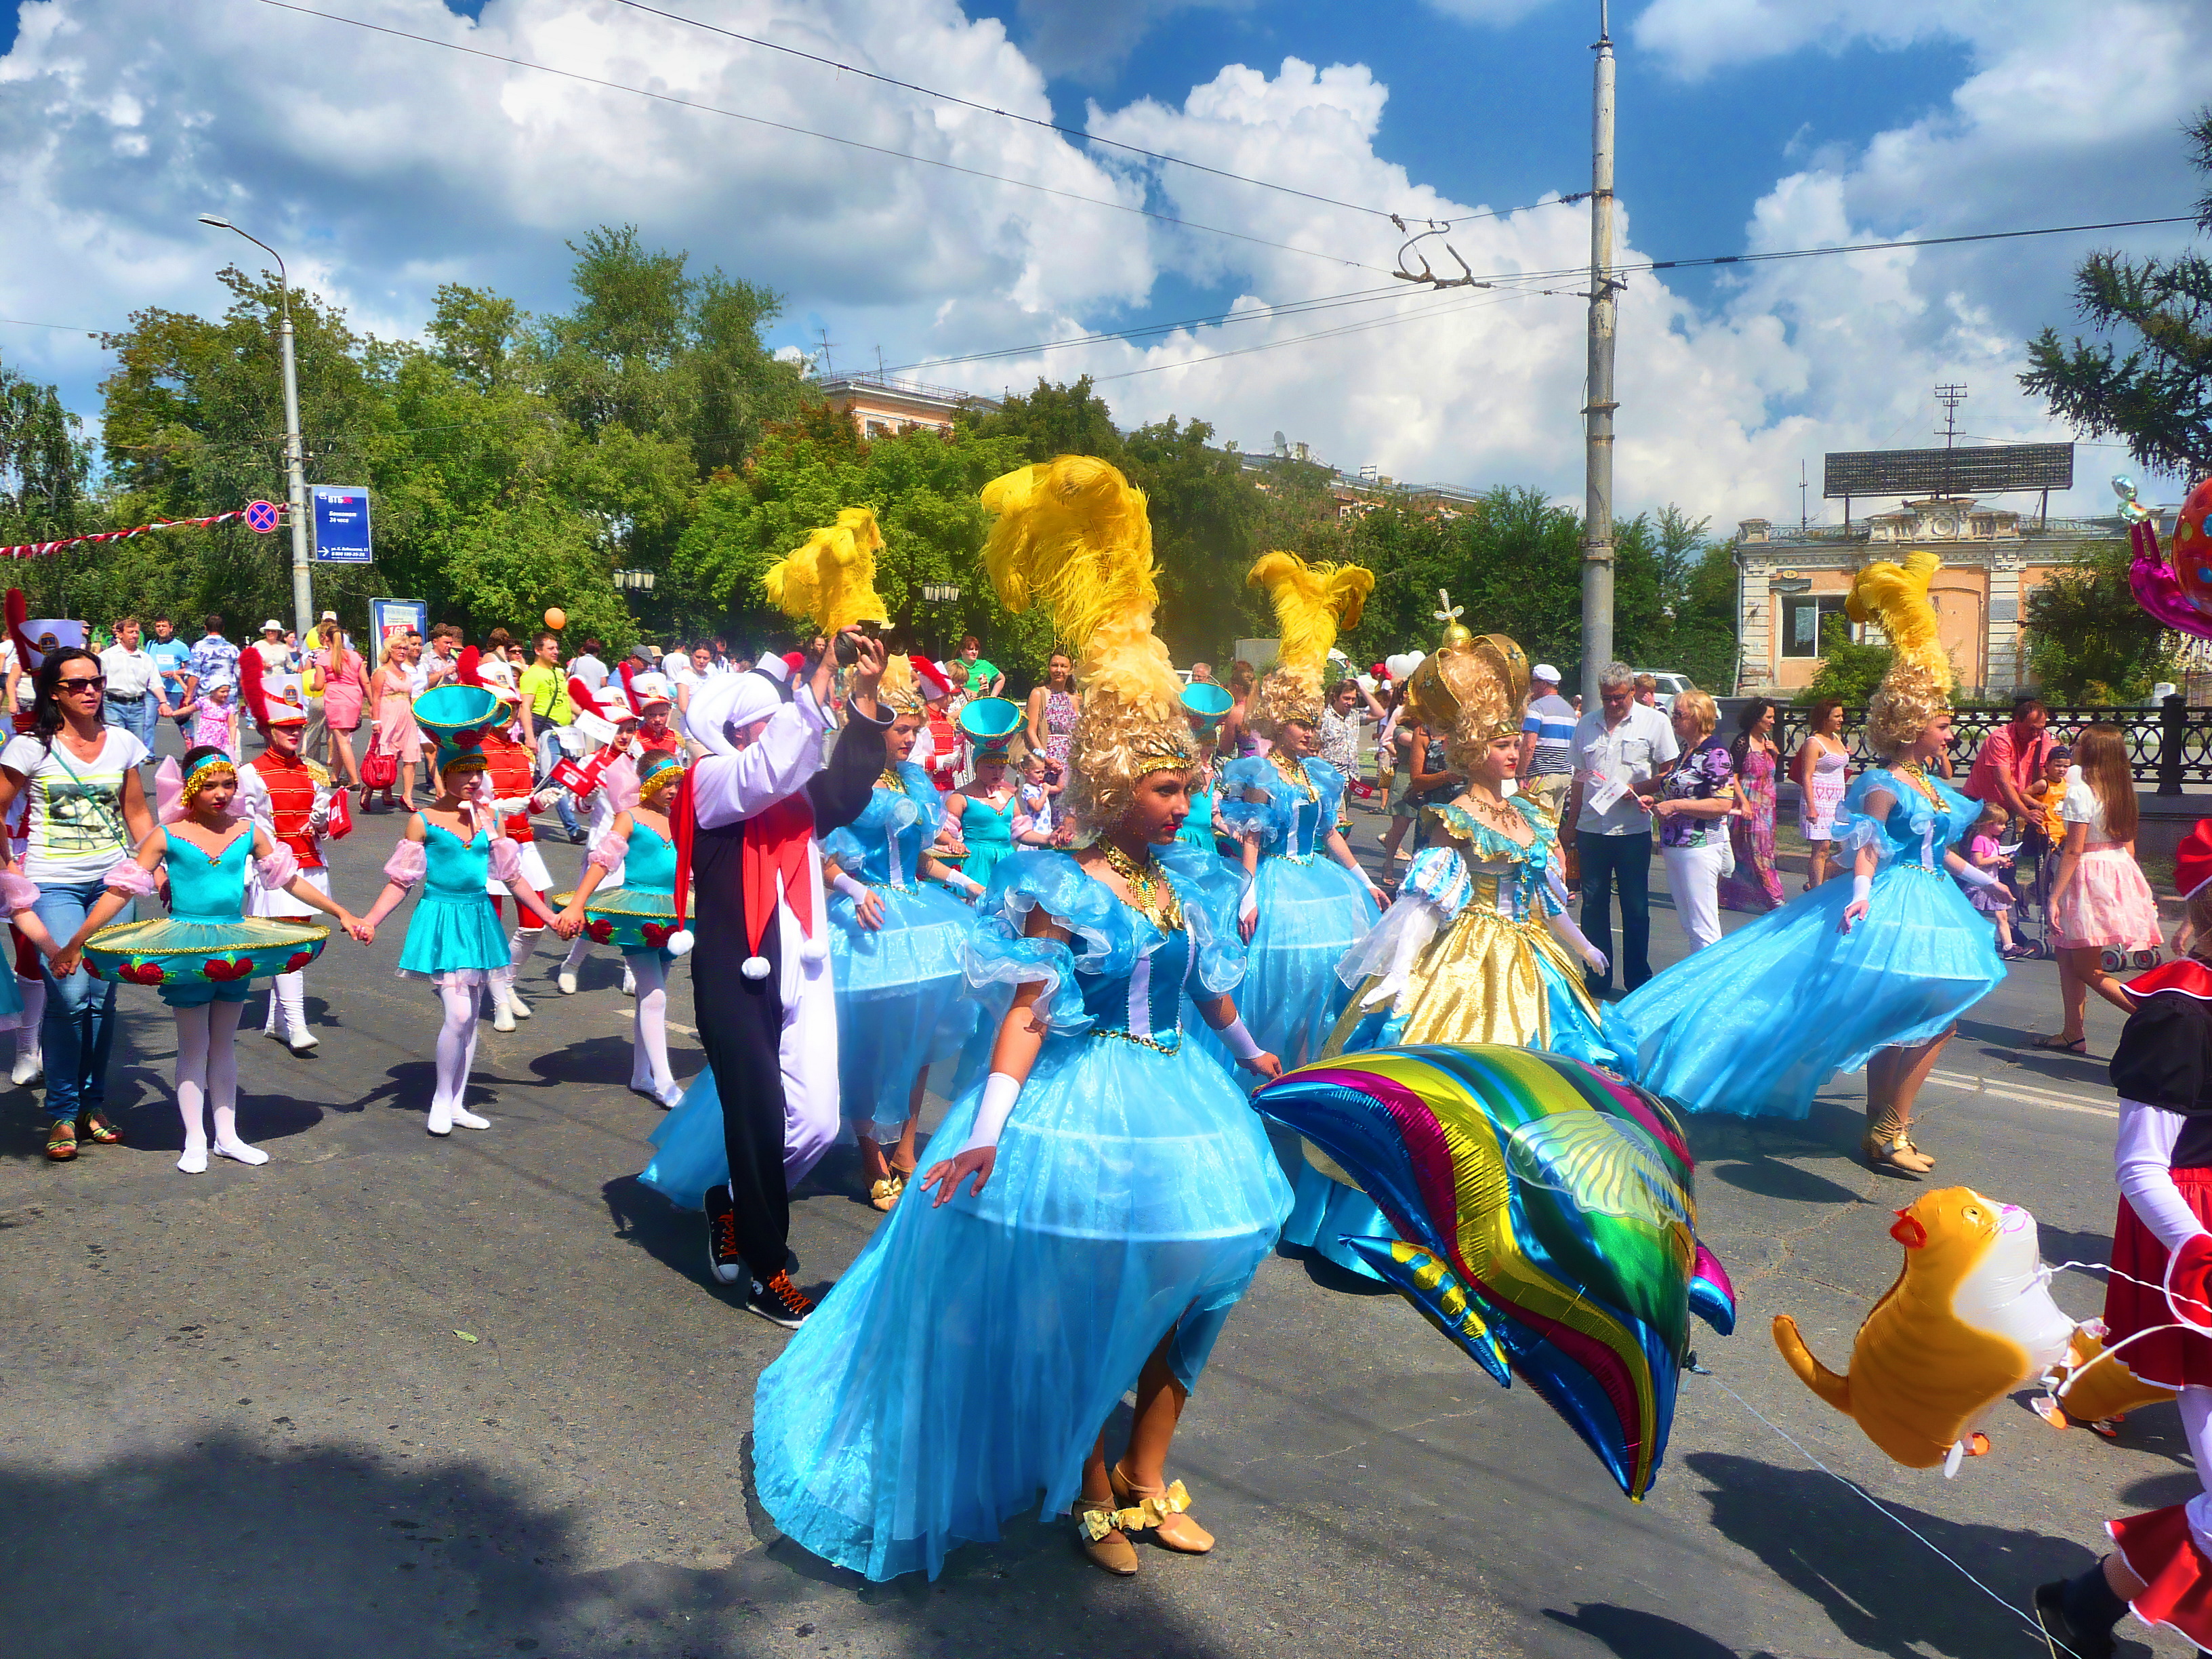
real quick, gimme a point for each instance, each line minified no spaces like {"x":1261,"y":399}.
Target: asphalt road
{"x":393,"y":1398}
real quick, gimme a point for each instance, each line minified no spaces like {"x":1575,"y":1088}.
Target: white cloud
{"x":398,"y":166}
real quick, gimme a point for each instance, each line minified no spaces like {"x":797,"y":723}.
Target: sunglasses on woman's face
{"x":83,"y":682}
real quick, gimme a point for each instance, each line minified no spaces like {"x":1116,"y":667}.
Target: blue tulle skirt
{"x":902,"y":1000}
{"x":453,"y":936}
{"x":1753,"y":1025}
{"x":689,"y":1154}
{"x":1310,"y":915}
{"x":968,"y":1361}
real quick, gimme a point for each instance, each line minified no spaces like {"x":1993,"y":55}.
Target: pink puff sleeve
{"x":128,"y":875}
{"x":608,"y":851}
{"x":17,"y":893}
{"x":505,"y":860}
{"x":405,"y":866}
{"x":281,"y":868}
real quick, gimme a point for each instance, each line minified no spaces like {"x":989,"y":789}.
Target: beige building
{"x":1790,"y":581}
{"x":884,"y":408}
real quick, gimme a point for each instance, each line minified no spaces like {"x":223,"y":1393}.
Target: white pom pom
{"x":814,"y":951}
{"x":755,"y":967}
{"x":680,"y":943}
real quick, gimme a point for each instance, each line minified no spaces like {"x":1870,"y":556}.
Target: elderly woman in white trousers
{"x":1693,"y":804}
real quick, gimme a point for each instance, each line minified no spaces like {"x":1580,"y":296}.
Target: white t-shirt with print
{"x":75,"y":819}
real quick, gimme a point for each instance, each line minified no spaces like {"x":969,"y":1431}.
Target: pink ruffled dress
{"x":2108,"y":905}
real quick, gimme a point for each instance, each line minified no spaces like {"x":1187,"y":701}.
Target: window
{"x":1803,"y":621}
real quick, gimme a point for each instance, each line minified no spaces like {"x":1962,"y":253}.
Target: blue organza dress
{"x":1311,"y":909}
{"x":901,"y":1001}
{"x":1464,"y":954}
{"x":969,"y":1359}
{"x":1754,"y":1024}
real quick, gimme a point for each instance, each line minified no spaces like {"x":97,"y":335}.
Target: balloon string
{"x":1882,"y":1509}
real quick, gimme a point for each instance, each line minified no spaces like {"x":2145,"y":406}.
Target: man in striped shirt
{"x":1547,"y":737}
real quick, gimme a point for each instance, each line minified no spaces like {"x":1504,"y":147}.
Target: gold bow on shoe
{"x":1094,"y":1524}
{"x":1152,"y":1511}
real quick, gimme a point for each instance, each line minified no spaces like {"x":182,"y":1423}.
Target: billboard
{"x":1988,"y":471}
{"x":389,"y":617}
{"x":341,"y":524}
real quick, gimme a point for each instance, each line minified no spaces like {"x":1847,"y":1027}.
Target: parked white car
{"x":1670,"y":683}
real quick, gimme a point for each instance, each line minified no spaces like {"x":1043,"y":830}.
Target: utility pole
{"x":295,"y":474}
{"x":1598,"y":412}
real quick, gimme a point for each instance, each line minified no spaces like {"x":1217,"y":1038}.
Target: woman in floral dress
{"x":1754,"y":886}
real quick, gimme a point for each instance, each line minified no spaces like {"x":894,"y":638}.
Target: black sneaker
{"x":578,"y":837}
{"x":779,"y":1302}
{"x":2051,"y":1614}
{"x":722,"y":1258}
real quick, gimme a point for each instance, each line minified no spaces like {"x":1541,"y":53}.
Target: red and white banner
{"x":40,"y":549}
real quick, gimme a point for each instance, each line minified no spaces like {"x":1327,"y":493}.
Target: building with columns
{"x":1790,"y":579}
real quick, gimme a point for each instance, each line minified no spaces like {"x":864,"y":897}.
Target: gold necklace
{"x":890,"y":779}
{"x":1919,"y":780}
{"x":1150,"y":893}
{"x":1294,"y":775}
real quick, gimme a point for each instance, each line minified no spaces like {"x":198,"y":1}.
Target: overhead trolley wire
{"x":827,"y":137}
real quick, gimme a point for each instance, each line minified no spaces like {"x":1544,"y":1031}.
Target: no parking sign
{"x":261,"y":518}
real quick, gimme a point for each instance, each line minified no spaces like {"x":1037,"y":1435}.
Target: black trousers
{"x":1622,"y":862}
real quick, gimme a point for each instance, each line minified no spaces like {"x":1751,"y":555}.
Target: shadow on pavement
{"x":251,"y":1545}
{"x":1883,"y":1589}
{"x":1635,"y":1635}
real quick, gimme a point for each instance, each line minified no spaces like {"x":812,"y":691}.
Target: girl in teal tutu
{"x":1112,"y":1192}
{"x":1873,"y":972}
{"x":206,"y":852}
{"x":454,"y":938}
{"x":1308,"y":901}
{"x":641,"y":842}
{"x":1206,"y":705}
{"x":982,"y":811}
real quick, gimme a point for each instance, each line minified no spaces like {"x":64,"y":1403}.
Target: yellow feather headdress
{"x":1918,"y":686}
{"x":1073,"y":533}
{"x":830,"y":579}
{"x":1312,"y":602}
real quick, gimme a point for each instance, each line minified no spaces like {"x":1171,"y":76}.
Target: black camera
{"x":847,"y":652}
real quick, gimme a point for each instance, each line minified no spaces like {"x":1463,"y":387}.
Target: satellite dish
{"x":1282,"y":445}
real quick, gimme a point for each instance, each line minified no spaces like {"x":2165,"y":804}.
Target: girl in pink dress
{"x":393,"y":707}
{"x":2100,"y":905}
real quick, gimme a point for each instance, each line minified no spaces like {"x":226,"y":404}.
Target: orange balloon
{"x":556,"y":619}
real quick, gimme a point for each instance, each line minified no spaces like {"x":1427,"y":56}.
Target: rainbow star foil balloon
{"x":1545,"y":1223}
{"x":2179,"y":593}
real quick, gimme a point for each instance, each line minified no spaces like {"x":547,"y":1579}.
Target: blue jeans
{"x":1625,"y":862}
{"x":79,"y":1028}
{"x":139,"y":719}
{"x":549,"y":754}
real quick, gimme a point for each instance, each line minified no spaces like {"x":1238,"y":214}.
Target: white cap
{"x":329,"y":615}
{"x":272,"y":626}
{"x":1544,"y":671}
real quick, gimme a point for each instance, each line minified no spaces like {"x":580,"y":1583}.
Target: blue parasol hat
{"x":991,"y":724}
{"x":1207,"y":702}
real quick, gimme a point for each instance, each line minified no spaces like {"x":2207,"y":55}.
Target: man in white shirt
{"x":133,"y":697}
{"x":1621,"y":753}
{"x":589,"y":668}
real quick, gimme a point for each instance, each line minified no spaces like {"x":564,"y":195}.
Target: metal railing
{"x":2169,"y":746}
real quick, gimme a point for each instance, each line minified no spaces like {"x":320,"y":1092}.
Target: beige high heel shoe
{"x":1160,"y":1510}
{"x":1888,"y":1145}
{"x":1099,"y":1535}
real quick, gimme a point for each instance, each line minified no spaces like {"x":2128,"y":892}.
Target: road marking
{"x":2025,"y":1094}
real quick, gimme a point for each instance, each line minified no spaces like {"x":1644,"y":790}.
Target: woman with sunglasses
{"x":87,"y":812}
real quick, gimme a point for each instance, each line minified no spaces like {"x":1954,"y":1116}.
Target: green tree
{"x":1053,"y":420}
{"x":1849,"y":669}
{"x":1206,"y":514}
{"x":2155,"y":396}
{"x":2088,"y":641}
{"x":44,"y":464}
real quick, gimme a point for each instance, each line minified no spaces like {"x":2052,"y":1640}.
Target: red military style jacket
{"x":292,"y":786}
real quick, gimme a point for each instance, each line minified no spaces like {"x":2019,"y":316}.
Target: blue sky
{"x":1743,"y":122}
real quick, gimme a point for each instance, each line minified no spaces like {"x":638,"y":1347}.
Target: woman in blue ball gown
{"x":1113,"y":1191}
{"x":1873,"y":972}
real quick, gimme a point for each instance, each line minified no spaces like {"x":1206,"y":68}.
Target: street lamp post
{"x":940,"y":593}
{"x":295,"y":474}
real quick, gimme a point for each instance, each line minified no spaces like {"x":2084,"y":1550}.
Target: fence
{"x":2169,"y":746}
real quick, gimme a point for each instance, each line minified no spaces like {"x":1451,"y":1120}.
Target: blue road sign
{"x":261,"y":517}
{"x":341,"y":524}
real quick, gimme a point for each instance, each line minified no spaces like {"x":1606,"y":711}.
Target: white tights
{"x":207,"y":1077}
{"x":33,"y":992}
{"x":649,"y":1070}
{"x":287,"y":1005}
{"x":457,"y":1052}
{"x":2196,"y":1406}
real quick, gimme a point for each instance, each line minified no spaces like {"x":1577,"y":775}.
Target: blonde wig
{"x":829,"y":579}
{"x":1918,"y":687}
{"x":1475,"y":691}
{"x":1312,"y":602}
{"x":1072,"y":533}
{"x":901,"y":690}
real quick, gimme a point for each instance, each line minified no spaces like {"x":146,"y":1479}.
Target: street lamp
{"x":634,"y":581}
{"x":940,"y":593}
{"x":296,"y":476}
